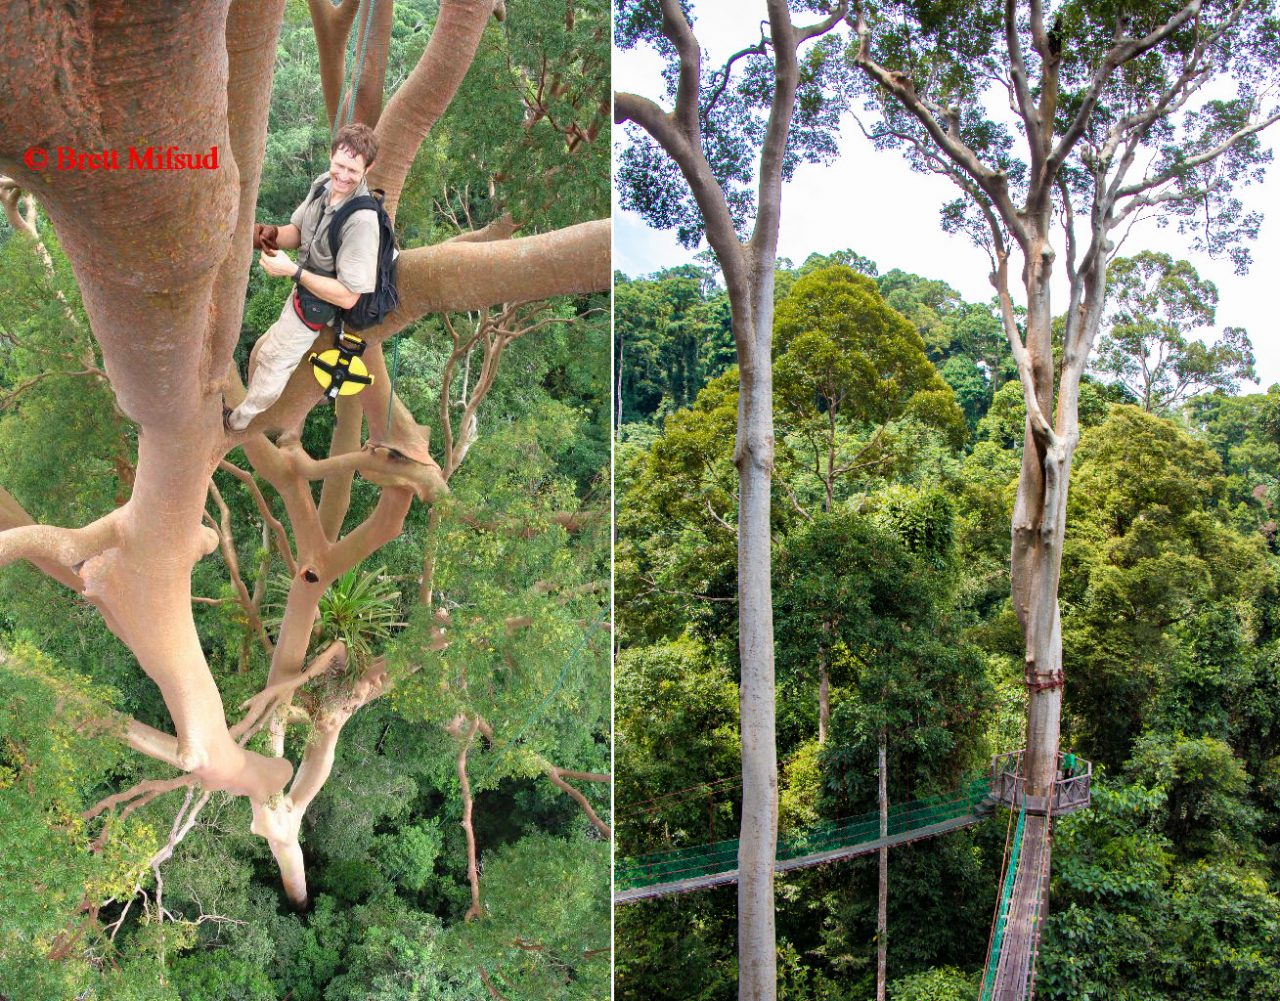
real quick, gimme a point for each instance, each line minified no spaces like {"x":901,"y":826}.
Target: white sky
{"x":873,"y":203}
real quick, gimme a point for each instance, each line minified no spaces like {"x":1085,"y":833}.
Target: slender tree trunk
{"x":882,"y":901}
{"x":757,"y":972}
{"x":824,"y":697}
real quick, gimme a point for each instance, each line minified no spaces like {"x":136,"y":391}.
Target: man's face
{"x":346,"y":170}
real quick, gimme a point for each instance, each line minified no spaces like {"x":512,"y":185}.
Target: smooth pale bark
{"x":748,"y":270}
{"x":166,"y":309}
{"x":757,"y":847}
{"x":1108,"y":200}
{"x":882,"y":896}
{"x":824,"y":697}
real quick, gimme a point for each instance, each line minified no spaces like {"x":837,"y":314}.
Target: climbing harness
{"x":340,"y":369}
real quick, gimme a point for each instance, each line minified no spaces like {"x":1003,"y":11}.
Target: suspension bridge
{"x":1009,"y":973}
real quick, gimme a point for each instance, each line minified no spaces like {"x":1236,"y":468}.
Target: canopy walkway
{"x":1024,"y":882}
{"x":696,"y":868}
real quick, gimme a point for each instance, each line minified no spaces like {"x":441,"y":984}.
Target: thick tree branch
{"x":464,"y":783}
{"x":557,"y":776}
{"x":335,"y":495}
{"x":764,"y":236}
{"x":992,"y":182}
{"x":63,"y":547}
{"x":1125,"y":50}
{"x":688,"y":156}
{"x":420,"y":101}
{"x":675,"y":26}
{"x":1025,"y":106}
{"x":332,"y":27}
{"x":1191,"y":162}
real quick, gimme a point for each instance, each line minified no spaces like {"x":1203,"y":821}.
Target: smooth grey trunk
{"x":757,"y":971}
{"x":882,"y":903}
{"x":824,"y":697}
{"x":1106,"y":204}
{"x":748,"y":269}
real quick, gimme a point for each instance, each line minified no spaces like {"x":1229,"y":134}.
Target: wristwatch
{"x":297,"y":275}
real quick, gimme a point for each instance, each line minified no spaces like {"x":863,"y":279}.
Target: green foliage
{"x":1245,"y":432}
{"x":67,"y":453}
{"x":1151,"y":349}
{"x":1133,"y":921}
{"x":527,"y":132}
{"x":1147,"y":549}
{"x":1205,"y":789}
{"x":539,"y":945}
{"x":671,"y":334}
{"x":944,"y":984}
{"x":194,"y":977}
{"x":396,"y":954}
{"x":676,"y":725}
{"x":845,"y":357}
{"x":1165,"y":889}
{"x":852,"y":596}
{"x":61,"y":742}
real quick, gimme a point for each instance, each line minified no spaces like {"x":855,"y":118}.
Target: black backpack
{"x":372,"y":307}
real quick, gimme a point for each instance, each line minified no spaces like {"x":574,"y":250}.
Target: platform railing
{"x":1071,"y":788}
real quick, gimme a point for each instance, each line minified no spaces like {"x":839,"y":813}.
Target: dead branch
{"x":227,"y":543}
{"x":557,"y":777}
{"x":473,"y":871}
{"x":264,"y":509}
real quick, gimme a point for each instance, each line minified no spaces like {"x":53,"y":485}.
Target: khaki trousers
{"x":276,"y":356}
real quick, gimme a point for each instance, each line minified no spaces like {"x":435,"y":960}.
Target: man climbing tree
{"x":166,"y":312}
{"x":324,"y":285}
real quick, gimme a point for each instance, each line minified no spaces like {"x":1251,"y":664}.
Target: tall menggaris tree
{"x":1116,"y":112}
{"x":162,"y":259}
{"x":692,"y":171}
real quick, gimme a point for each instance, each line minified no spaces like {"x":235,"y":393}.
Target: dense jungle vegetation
{"x":899,"y":441}
{"x":94,"y":912}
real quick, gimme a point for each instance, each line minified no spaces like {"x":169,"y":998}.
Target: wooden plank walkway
{"x":804,"y":861}
{"x":1026,"y":908}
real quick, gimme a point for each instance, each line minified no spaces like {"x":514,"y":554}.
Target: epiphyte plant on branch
{"x":1115,"y":114}
{"x":165,"y":308}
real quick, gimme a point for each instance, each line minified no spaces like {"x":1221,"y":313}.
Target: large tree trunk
{"x":166,"y":310}
{"x":1039,"y":521}
{"x":757,"y":970}
{"x":824,"y":697}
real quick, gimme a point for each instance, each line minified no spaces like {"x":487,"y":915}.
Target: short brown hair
{"x":358,"y":139}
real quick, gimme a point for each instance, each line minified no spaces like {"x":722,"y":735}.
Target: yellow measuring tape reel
{"x":339,"y":369}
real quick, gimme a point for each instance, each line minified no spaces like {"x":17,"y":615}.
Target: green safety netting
{"x":1002,"y":912}
{"x":722,"y":856}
